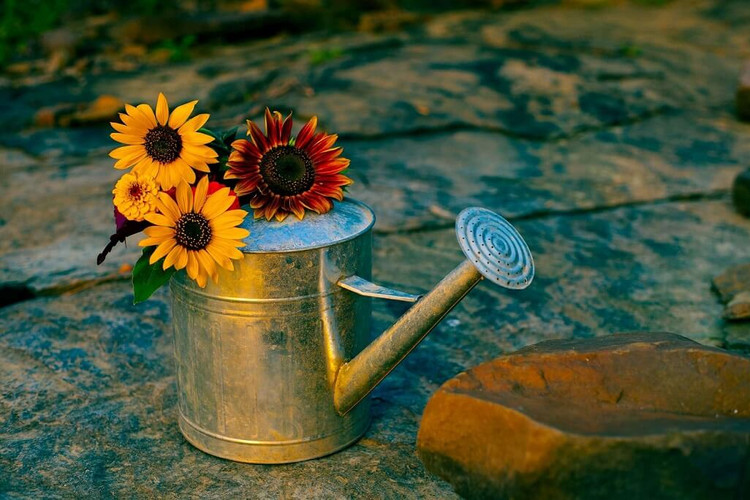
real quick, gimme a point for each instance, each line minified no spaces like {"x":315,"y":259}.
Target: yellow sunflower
{"x":197,"y":231}
{"x":135,"y":196}
{"x":161,"y":145}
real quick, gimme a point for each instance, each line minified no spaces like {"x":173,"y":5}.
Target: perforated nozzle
{"x":495,"y":248}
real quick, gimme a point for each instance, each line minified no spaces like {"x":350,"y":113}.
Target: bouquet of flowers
{"x":186,"y":184}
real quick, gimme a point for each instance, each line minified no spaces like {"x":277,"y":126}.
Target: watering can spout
{"x":493,"y":250}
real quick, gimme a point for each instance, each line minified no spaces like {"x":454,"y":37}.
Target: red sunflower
{"x":287,"y":175}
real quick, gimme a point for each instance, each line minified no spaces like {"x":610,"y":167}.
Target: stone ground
{"x":606,"y":135}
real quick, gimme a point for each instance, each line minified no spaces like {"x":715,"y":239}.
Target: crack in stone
{"x":13,"y":293}
{"x":694,"y":197}
{"x":578,"y":131}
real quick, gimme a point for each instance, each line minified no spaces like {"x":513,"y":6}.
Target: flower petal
{"x":162,"y":250}
{"x":194,"y":124}
{"x":168,"y":207}
{"x":148,"y":114}
{"x":180,"y":114}
{"x":162,"y":109}
{"x":199,"y":197}
{"x":184,"y":198}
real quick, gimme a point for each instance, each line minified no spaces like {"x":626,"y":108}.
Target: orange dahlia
{"x":284,"y":174}
{"x":162,"y":145}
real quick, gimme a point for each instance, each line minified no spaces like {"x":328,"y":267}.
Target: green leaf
{"x":147,"y":278}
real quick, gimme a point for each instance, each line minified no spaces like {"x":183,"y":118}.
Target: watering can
{"x":274,"y":363}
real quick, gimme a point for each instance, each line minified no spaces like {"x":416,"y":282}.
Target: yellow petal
{"x":162,"y":250}
{"x":206,"y":262}
{"x":127,"y":139}
{"x":219,"y":257}
{"x":139,"y":117}
{"x":182,"y":258}
{"x":159,"y":219}
{"x":200,"y":194}
{"x":159,"y":231}
{"x":184,"y":170}
{"x":194,"y":124}
{"x":233,"y":233}
{"x":201,"y":279}
{"x":168,"y":207}
{"x":129,"y":161}
{"x":162,"y":109}
{"x":149,"y":168}
{"x":192,"y":265}
{"x":197,"y":138}
{"x":125,"y":151}
{"x":180,"y":114}
{"x":217,"y":203}
{"x":184,"y":198}
{"x":171,"y":257}
{"x":148,"y":114}
{"x":200,"y":151}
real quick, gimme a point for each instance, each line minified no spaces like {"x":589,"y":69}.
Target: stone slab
{"x":625,"y":416}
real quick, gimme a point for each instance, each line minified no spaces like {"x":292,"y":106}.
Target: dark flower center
{"x":163,"y":144}
{"x":287,"y":170}
{"x":135,"y":191}
{"x":193,"y":231}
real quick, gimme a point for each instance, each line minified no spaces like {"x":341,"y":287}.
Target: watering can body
{"x":274,"y":363}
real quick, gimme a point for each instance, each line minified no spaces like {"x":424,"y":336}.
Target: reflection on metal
{"x":495,"y":248}
{"x":273,"y":364}
{"x":365,"y":288}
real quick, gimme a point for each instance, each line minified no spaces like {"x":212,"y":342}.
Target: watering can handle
{"x":365,"y":288}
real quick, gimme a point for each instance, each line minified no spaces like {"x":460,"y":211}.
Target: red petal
{"x":286,"y":129}
{"x":258,"y":138}
{"x":306,"y":133}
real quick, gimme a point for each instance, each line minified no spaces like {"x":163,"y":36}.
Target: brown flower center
{"x":136,"y":192}
{"x":163,"y":144}
{"x":287,"y":170}
{"x":193,"y":231}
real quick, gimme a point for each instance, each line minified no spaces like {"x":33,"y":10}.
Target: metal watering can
{"x":273,"y":363}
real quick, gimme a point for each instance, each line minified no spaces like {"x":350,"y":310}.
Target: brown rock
{"x":739,"y":307}
{"x":389,"y":20}
{"x":743,"y":94}
{"x":732,"y":281}
{"x":103,"y":109}
{"x":643,"y":415}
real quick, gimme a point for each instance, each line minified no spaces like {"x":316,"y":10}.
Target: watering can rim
{"x":347,"y":220}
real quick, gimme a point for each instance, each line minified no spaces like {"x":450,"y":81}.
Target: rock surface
{"x":743,"y":94}
{"x":733,"y":287}
{"x":607,"y":136}
{"x":642,"y":415}
{"x":741,"y":192}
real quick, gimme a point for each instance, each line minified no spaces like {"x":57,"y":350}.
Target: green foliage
{"x":630,"y":50}
{"x":147,"y":278}
{"x":325,"y":54}
{"x":179,"y":50}
{"x":23,"y":20}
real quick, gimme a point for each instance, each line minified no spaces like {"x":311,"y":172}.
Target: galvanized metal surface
{"x":494,"y":246}
{"x":347,"y":220}
{"x":257,"y":355}
{"x":361,"y":286}
{"x":273,"y":363}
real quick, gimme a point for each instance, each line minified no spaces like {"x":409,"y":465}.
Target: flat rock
{"x":739,"y":307}
{"x":646,"y":415}
{"x":732,"y":281}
